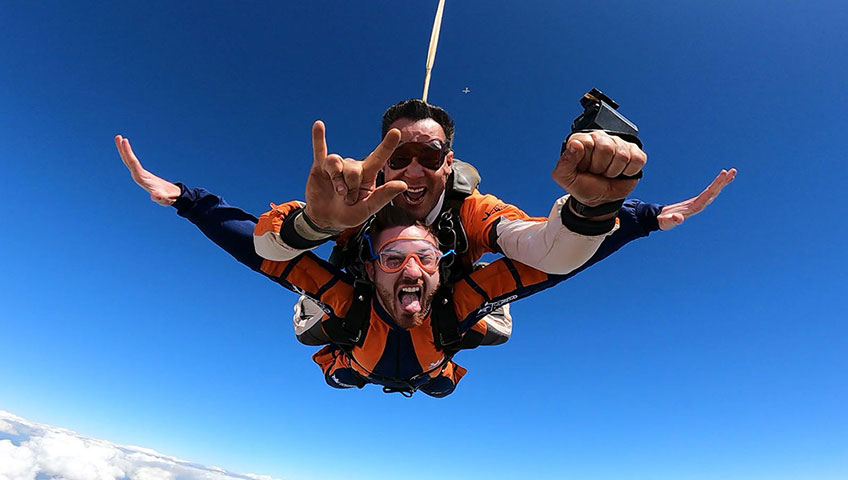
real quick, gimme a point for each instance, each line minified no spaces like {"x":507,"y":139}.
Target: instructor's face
{"x":407,"y":275}
{"x":425,"y":185}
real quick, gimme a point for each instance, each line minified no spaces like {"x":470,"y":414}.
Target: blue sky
{"x":716,"y":350}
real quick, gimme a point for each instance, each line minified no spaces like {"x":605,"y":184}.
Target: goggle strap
{"x":373,"y":256}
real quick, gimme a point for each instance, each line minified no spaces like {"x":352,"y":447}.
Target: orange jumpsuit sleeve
{"x":479,"y":214}
{"x":269,"y":243}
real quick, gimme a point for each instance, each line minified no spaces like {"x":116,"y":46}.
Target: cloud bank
{"x":32,"y":451}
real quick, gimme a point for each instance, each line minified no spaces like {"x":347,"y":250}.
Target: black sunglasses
{"x":430,"y":155}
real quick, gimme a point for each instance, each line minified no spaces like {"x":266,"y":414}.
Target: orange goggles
{"x":395,"y":253}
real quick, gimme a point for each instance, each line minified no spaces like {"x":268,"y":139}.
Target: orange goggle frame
{"x":428,"y":259}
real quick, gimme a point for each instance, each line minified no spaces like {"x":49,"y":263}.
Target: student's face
{"x":425,"y":185}
{"x":406,"y":289}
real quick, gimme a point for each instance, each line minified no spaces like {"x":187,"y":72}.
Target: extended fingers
{"x":718,"y":182}
{"x":319,"y":143}
{"x":128,"y":157}
{"x":384,"y":194}
{"x":716,"y":186}
{"x":674,"y":214}
{"x":731,"y":175}
{"x":722,"y":180}
{"x":123,"y":146}
{"x":378,"y":158}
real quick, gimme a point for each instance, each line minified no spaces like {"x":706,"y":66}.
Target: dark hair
{"x":416,"y":109}
{"x":392,"y":216}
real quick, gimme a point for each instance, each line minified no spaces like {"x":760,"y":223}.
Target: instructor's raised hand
{"x":342,"y":192}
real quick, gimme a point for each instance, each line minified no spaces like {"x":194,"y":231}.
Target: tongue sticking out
{"x":410,"y":302}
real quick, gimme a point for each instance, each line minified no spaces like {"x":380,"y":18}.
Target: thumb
{"x":670,"y":221}
{"x":574,"y":152}
{"x":384,"y":194}
{"x":565,"y":172}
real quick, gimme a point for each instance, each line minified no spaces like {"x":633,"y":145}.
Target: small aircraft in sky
{"x":466,"y":90}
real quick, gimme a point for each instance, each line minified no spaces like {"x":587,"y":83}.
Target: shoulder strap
{"x":444,"y":322}
{"x":448,"y":225}
{"x":464,"y":178}
{"x":351,"y":330}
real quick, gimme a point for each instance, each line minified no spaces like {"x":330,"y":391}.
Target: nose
{"x":414,"y":169}
{"x":412,"y":269}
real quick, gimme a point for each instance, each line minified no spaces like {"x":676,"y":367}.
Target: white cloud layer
{"x":32,"y":451}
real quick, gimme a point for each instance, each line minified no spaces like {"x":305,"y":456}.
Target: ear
{"x":449,"y":162}
{"x":369,"y":269}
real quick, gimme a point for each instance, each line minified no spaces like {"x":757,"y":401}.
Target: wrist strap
{"x":300,"y":232}
{"x":584,"y":210}
{"x":308,"y":227}
{"x":584,"y":226}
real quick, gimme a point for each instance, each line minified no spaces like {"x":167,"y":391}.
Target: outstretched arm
{"x":589,"y":170}
{"x":232,"y":229}
{"x":228,"y":227}
{"x":637,"y":219}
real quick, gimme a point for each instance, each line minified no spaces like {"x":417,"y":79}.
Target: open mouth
{"x":409,"y":297}
{"x":414,"y":195}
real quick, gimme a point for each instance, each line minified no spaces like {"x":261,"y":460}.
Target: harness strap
{"x":451,"y":236}
{"x":355,"y":324}
{"x":408,"y":387}
{"x":444,"y":322}
{"x":406,"y":392}
{"x":351,"y":330}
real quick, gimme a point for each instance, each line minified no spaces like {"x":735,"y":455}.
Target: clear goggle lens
{"x":395,"y":253}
